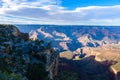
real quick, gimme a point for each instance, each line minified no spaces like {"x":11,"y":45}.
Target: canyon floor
{"x":101,"y":63}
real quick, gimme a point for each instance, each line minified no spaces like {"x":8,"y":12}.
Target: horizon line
{"x":65,"y":24}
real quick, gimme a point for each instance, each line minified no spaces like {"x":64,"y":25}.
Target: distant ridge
{"x":99,"y":35}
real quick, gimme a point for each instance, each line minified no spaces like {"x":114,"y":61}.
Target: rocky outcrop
{"x":33,"y":35}
{"x":10,"y":31}
{"x":32,"y":60}
{"x":52,"y":64}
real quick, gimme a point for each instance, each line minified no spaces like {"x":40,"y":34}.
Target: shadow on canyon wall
{"x":118,"y":76}
{"x":88,"y":68}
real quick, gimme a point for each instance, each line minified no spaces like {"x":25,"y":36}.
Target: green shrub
{"x":10,"y":76}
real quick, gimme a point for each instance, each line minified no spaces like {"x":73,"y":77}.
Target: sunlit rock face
{"x":61,"y":35}
{"x":46,"y":35}
{"x":64,"y":45}
{"x":33,"y":35}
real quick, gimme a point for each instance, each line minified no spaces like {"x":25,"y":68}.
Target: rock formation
{"x":31,"y":60}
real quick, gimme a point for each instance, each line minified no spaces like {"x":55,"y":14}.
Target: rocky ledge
{"x":24,"y":59}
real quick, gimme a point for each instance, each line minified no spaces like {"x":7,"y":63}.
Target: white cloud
{"x":50,"y":12}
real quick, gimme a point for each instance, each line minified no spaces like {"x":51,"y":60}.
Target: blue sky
{"x":64,"y":12}
{"x":72,"y":4}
